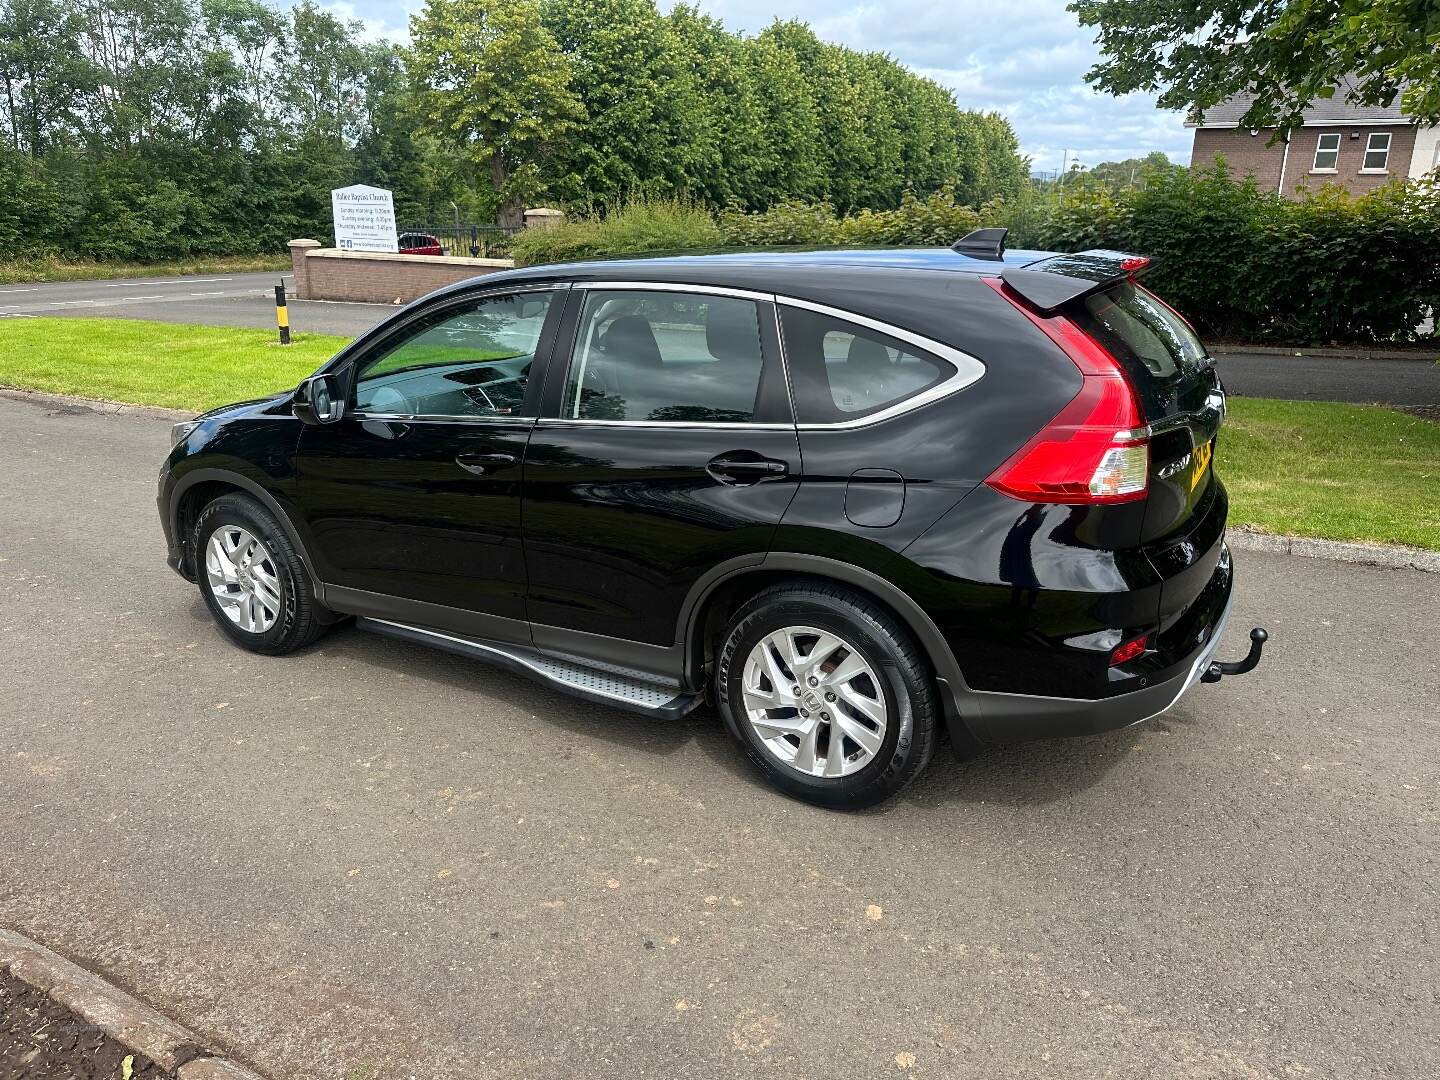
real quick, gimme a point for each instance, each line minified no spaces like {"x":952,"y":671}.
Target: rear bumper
{"x":1002,"y":718}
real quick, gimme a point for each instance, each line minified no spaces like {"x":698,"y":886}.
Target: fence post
{"x":474,"y":242}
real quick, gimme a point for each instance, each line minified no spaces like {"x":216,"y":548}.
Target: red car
{"x":418,"y":243}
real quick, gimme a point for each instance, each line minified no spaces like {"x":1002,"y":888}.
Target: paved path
{"x":209,"y":300}
{"x":377,"y":860}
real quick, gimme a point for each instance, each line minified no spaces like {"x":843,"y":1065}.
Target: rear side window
{"x":677,"y":357}
{"x":842,"y":371}
{"x":1143,"y":334}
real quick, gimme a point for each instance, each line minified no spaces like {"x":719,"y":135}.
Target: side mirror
{"x":318,"y":400}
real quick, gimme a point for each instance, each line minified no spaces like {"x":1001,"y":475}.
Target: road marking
{"x":18,"y":290}
{"x":209,"y":294}
{"x":16,"y":315}
{"x":124,"y":298}
{"x":67,"y":303}
{"x":172,"y":281}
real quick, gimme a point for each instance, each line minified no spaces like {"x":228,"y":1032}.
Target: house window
{"x":1377,"y":152}
{"x":1327,"y":152}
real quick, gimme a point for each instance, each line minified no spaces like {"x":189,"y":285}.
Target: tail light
{"x":1097,"y":450}
{"x":1123,"y":654}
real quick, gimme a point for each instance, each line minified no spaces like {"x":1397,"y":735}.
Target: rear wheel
{"x":828,"y":694}
{"x":252,"y":578}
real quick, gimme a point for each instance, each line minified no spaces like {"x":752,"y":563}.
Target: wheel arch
{"x":200,"y":487}
{"x":725,"y":586}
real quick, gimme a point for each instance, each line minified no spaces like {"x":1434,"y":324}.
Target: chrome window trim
{"x":676,"y":286}
{"x":718,"y":425}
{"x":407,"y":418}
{"x":968,"y":369}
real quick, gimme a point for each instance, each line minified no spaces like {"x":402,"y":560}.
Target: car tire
{"x":896,"y":674}
{"x":288,"y":617}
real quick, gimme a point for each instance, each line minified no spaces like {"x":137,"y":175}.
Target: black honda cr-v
{"x":856,"y":496}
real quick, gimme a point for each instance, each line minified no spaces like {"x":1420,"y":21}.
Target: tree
{"x":1287,"y":52}
{"x":640,"y":105}
{"x":1130,"y":173}
{"x":492,"y":82}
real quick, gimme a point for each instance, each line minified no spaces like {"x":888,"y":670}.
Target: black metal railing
{"x":463,"y":241}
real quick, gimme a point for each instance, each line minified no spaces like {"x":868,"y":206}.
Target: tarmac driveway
{"x":375,"y":861}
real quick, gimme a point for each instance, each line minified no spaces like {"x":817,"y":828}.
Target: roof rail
{"x":982,"y":243}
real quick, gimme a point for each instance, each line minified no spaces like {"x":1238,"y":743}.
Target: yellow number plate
{"x":1203,"y":454}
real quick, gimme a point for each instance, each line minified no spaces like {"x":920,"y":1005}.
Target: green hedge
{"x":1241,"y":263}
{"x":1246,"y":264}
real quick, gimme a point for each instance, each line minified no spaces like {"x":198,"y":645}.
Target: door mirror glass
{"x":318,"y":400}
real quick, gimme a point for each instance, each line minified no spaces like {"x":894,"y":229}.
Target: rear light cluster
{"x":1123,"y":654}
{"x":1097,"y":450}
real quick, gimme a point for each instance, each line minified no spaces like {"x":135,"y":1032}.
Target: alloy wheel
{"x":814,"y":701}
{"x":243,"y":578}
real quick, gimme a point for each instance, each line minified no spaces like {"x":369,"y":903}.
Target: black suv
{"x":856,"y":496}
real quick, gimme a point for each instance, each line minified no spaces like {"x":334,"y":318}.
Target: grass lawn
{"x":26,"y":270}
{"x":1340,"y":472}
{"x":149,"y":363}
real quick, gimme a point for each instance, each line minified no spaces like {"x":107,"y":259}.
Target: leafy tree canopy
{"x":1288,"y":53}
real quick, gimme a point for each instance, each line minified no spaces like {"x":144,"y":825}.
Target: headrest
{"x":731,"y":332}
{"x":631,"y":341}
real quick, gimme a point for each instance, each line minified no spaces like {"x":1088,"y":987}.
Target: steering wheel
{"x":386,"y":399}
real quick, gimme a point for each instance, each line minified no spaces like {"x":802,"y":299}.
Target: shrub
{"x":636,"y":227}
{"x":784,"y":224}
{"x":938,"y":219}
{"x":1247,"y":264}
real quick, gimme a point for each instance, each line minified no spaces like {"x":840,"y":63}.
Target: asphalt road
{"x":248,"y":300}
{"x":1407,"y":383}
{"x":207,"y":300}
{"x":375,"y":860}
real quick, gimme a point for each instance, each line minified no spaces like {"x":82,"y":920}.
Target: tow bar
{"x":1218,"y":669}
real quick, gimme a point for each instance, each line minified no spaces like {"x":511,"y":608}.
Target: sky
{"x":1025,"y":59}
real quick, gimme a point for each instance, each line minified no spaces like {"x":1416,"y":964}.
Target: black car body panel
{"x":612,"y":542}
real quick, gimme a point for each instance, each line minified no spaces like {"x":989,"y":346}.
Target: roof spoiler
{"x":1054,"y":282}
{"x":982,"y":243}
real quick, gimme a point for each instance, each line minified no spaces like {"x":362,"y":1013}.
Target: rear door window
{"x":670,"y":357}
{"x":843,"y":371}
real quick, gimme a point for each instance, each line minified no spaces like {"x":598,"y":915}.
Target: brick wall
{"x":1245,"y":153}
{"x":378,"y":277}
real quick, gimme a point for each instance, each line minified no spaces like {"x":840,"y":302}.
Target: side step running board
{"x":600,"y":685}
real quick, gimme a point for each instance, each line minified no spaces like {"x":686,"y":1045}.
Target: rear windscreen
{"x":1159,"y":352}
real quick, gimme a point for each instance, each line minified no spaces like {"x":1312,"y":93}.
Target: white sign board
{"x":364,"y":219}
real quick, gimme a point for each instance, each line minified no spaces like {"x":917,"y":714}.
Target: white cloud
{"x":1025,"y":59}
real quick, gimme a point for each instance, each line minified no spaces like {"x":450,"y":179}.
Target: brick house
{"x":1359,"y":147}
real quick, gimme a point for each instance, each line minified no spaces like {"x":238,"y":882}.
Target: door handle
{"x":745,"y":470}
{"x":484,"y":464}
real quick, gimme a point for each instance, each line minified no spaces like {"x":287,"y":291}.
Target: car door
{"x":665,"y":447}
{"x":413,"y":497}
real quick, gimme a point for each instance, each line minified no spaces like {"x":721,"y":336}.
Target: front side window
{"x":472,"y":360}
{"x":1377,"y":151}
{"x":675,"y":357}
{"x":843,"y":371}
{"x":1327,"y":152}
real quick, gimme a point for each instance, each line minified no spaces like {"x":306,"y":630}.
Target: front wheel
{"x":252,"y":578}
{"x":828,"y":694}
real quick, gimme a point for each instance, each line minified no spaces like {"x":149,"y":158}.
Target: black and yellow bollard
{"x":282,"y":314}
